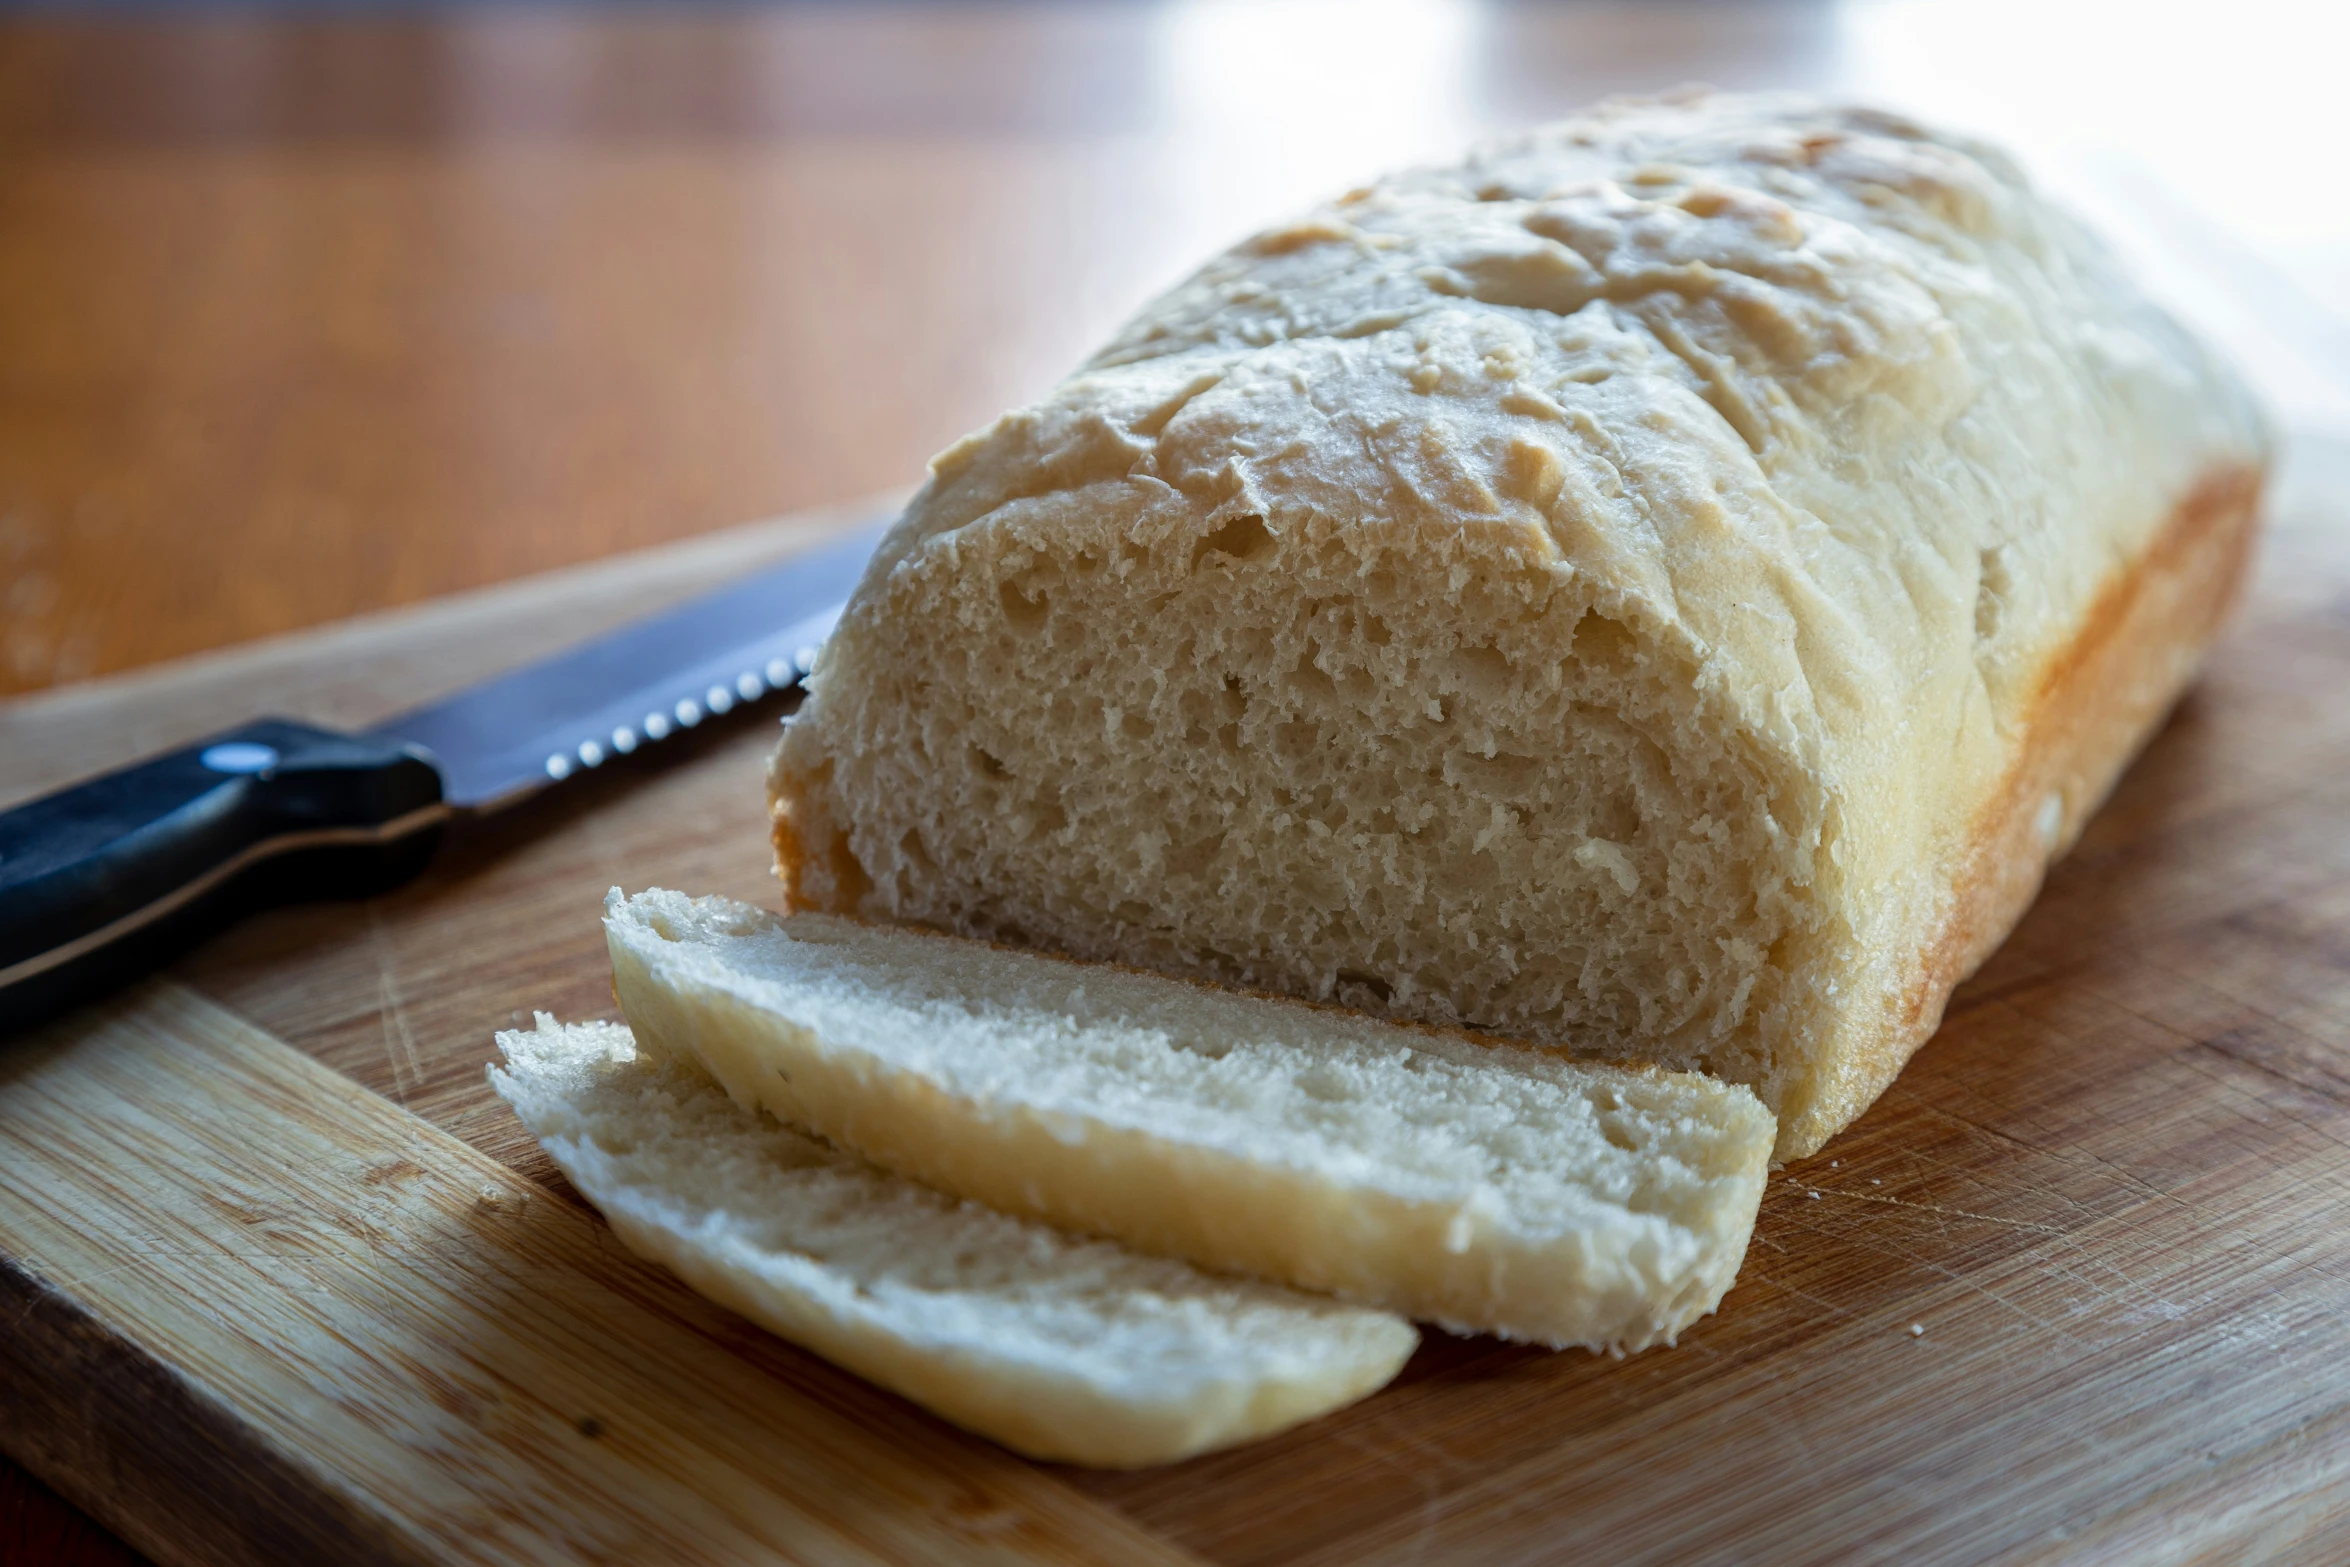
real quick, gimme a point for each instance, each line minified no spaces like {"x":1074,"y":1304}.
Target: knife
{"x":104,"y":879}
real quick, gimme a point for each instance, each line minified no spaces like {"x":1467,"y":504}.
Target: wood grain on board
{"x":259,"y":1314}
{"x":2074,"y":1291}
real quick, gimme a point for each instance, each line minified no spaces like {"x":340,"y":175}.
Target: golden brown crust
{"x":789,"y":854}
{"x":792,"y":856}
{"x":2096,"y":704}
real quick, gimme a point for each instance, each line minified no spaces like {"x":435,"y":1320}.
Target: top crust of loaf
{"x":1821,"y":436}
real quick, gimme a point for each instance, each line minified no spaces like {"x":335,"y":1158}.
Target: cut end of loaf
{"x":1344,"y":762}
{"x":1062,"y":1348}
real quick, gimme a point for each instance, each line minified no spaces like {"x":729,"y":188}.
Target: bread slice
{"x":1483,"y":1187}
{"x":1061,"y":1348}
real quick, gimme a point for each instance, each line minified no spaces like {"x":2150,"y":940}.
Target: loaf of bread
{"x":1665,"y":586}
{"x":1488,"y":1188}
{"x":1062,"y":1348}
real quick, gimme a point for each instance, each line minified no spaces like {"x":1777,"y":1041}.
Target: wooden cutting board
{"x":284,"y":1282}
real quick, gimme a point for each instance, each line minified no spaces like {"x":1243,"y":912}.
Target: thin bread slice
{"x":1058,"y":1347}
{"x":1484,"y":1187}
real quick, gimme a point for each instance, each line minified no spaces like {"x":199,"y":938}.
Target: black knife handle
{"x":101,"y":881}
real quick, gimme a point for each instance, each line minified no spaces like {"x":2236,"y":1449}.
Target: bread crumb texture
{"x":1489,"y":1188}
{"x":1060,"y":1347}
{"x":1592,"y":593}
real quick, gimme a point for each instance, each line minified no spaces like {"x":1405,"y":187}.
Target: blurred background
{"x":308,"y":311}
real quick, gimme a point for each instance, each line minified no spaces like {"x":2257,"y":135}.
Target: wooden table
{"x":319,"y":316}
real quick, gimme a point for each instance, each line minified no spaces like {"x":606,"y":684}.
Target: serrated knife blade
{"x":498,"y":743}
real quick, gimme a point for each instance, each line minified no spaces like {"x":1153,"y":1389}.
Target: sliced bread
{"x":1484,"y":1187}
{"x":1058,"y":1347}
{"x":1665,"y":586}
